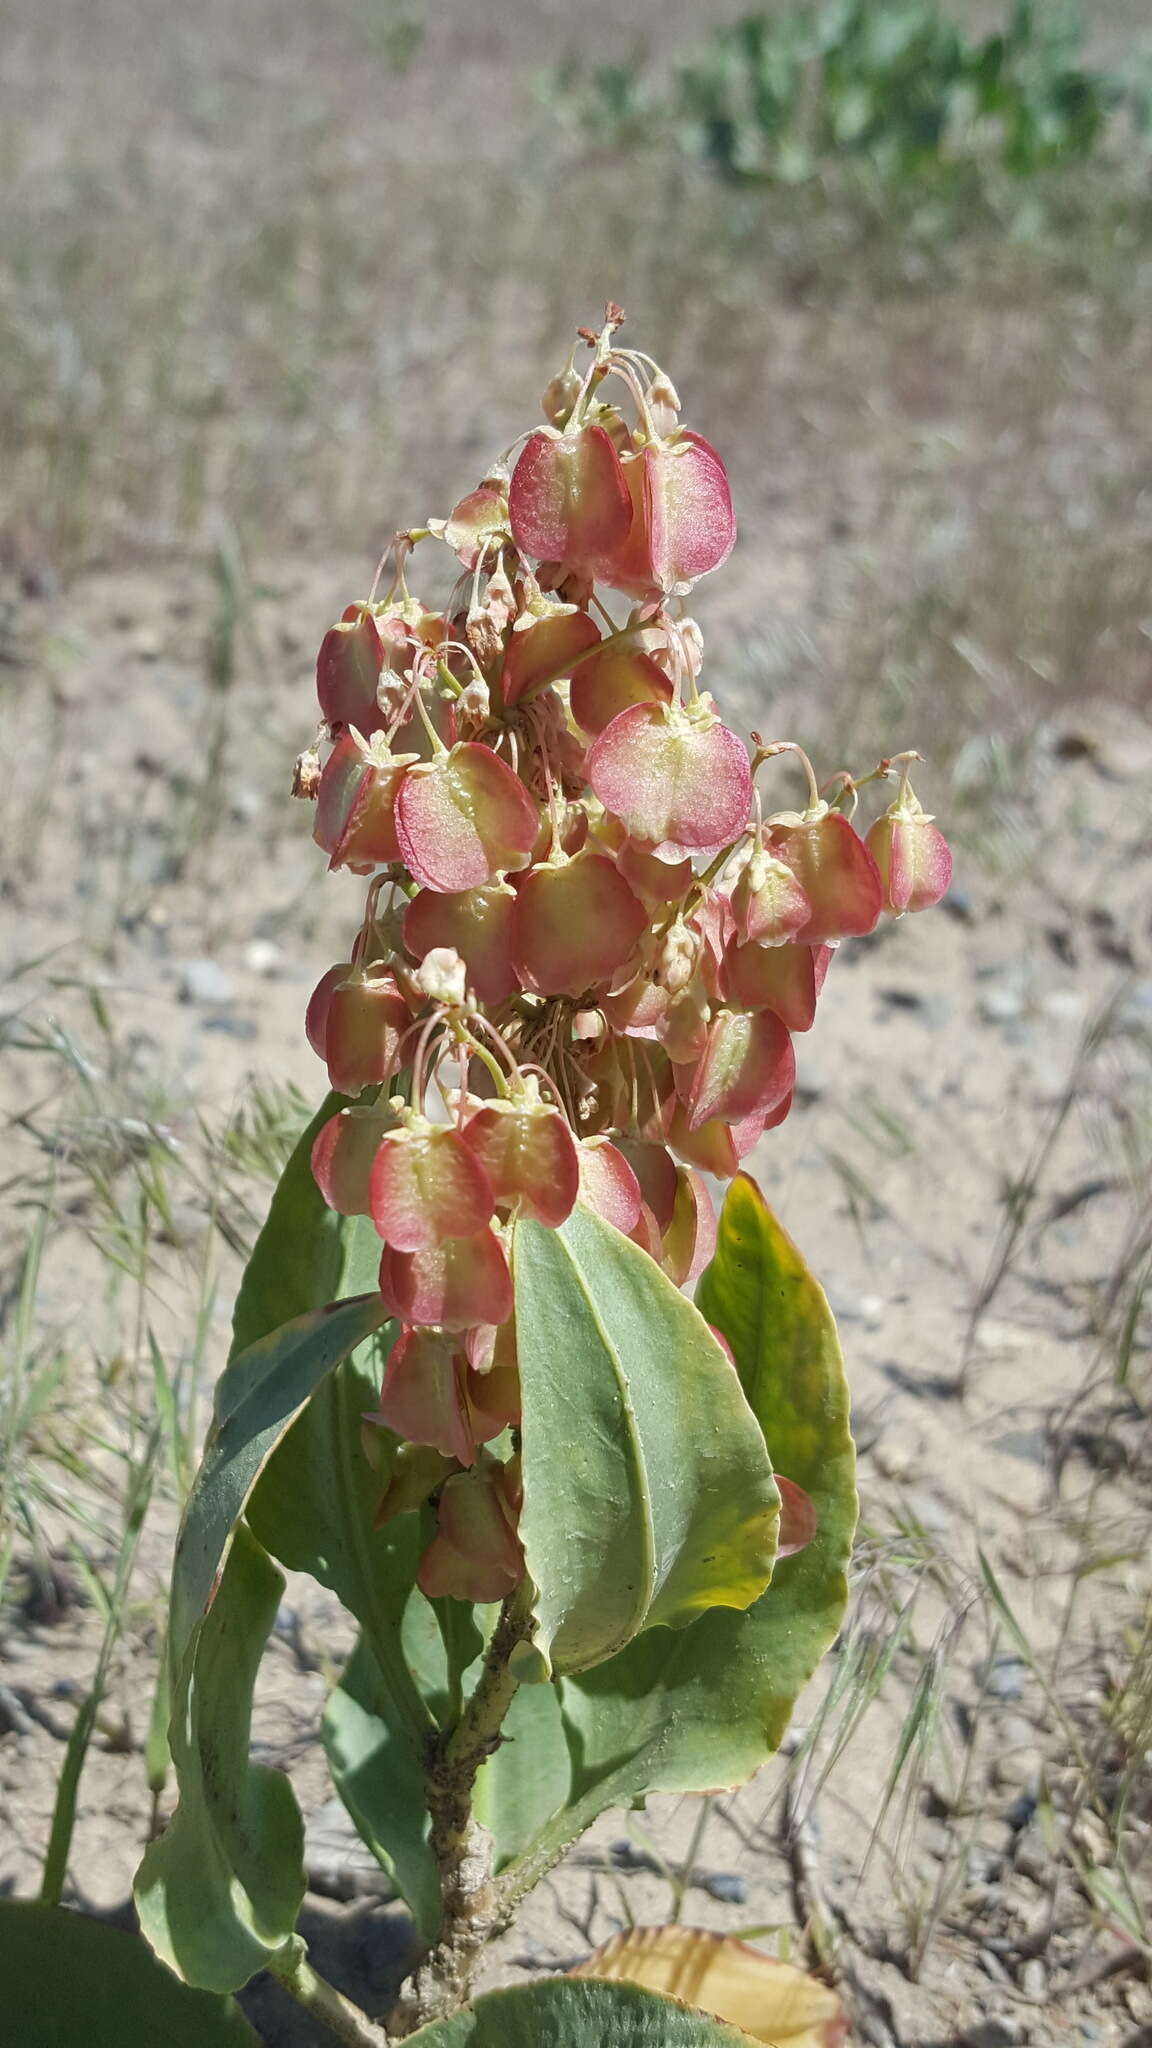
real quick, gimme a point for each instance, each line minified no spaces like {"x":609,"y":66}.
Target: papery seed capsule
{"x":356,"y":805}
{"x":747,"y":1069}
{"x":682,"y":523}
{"x":610,"y":681}
{"x":797,"y":1517}
{"x":544,"y":652}
{"x":608,"y":1184}
{"x":662,"y":881}
{"x":689,"y":1238}
{"x":784,"y":979}
{"x":343,"y":1154}
{"x":366,"y":1020}
{"x":348,"y":669}
{"x":428,"y":1185}
{"x":673,"y":775}
{"x":427,"y":1395}
{"x":416,"y":1472}
{"x":465,"y":1280}
{"x":836,"y":872}
{"x":478,"y":521}
{"x":655,"y":1170}
{"x":319,"y":1004}
{"x":464,"y":819}
{"x":477,"y":924}
{"x":574,"y":924}
{"x":768,"y":903}
{"x":913,"y":858}
{"x":529,"y":1155}
{"x":568,"y":500}
{"x":475,"y":1554}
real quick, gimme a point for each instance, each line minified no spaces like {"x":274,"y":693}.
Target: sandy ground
{"x":151,"y":853}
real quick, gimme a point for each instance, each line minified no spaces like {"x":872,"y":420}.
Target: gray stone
{"x":204,"y":981}
{"x":997,"y":2033}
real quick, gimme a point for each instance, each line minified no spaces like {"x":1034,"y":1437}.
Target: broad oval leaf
{"x":768,"y":2000}
{"x":565,"y":2013}
{"x":648,"y":1494}
{"x":707,"y":1705}
{"x":219,"y":1892}
{"x":67,"y":1979}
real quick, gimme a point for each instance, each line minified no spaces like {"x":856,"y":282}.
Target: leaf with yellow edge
{"x":767,"y":2000}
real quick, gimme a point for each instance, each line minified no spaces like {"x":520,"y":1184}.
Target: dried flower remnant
{"x":587,"y":942}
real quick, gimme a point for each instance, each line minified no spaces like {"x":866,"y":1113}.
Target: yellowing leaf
{"x":767,"y":2000}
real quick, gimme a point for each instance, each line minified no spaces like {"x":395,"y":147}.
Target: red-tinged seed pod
{"x":683,"y":1029}
{"x":768,"y":903}
{"x":529,"y":1155}
{"x":465,"y":1280}
{"x":416,"y":1472}
{"x":914,"y":859}
{"x":424,"y":1394}
{"x":797,"y":1517}
{"x":343,"y":1154}
{"x":493,"y":1400}
{"x":646,"y":1233}
{"x":836,"y":872}
{"x":348,"y":669}
{"x":464,"y":819}
{"x":682,"y":523}
{"x":427,"y":1185}
{"x":366,"y":1021}
{"x":319,"y":1004}
{"x":573,"y":831}
{"x":608,"y":1184}
{"x":747,"y":1069}
{"x":544,"y":652}
{"x":784,"y":979}
{"x":674,"y":776}
{"x":662,"y":881}
{"x":478,"y":522}
{"x":575,"y":923}
{"x":609,"y":682}
{"x":655,"y":1170}
{"x":568,"y":500}
{"x":638,"y":1009}
{"x":712,"y":1147}
{"x":689,"y":1238}
{"x":475,"y":1554}
{"x":356,"y":805}
{"x":477,"y":924}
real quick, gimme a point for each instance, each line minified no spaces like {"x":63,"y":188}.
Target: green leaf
{"x":258,"y":1395}
{"x":377,"y":1769}
{"x":66,"y":1979}
{"x":563,"y":2012}
{"x":300,"y":1259}
{"x":648,"y":1497}
{"x":218,"y":1894}
{"x":527,"y":1780}
{"x":705,"y":1706}
{"x":314,"y":1503}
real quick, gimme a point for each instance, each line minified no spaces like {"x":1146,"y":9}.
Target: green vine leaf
{"x":219,"y":1893}
{"x":648,"y":1495}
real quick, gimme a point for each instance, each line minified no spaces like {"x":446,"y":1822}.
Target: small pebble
{"x":204,"y":981}
{"x":724,"y":1885}
{"x":1034,"y":1981}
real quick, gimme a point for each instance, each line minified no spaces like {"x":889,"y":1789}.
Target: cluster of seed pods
{"x":587,"y":946}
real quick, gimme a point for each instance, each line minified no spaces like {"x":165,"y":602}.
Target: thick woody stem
{"x":471,"y":1910}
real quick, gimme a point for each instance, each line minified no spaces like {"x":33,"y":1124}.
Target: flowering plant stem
{"x":472,"y":1910}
